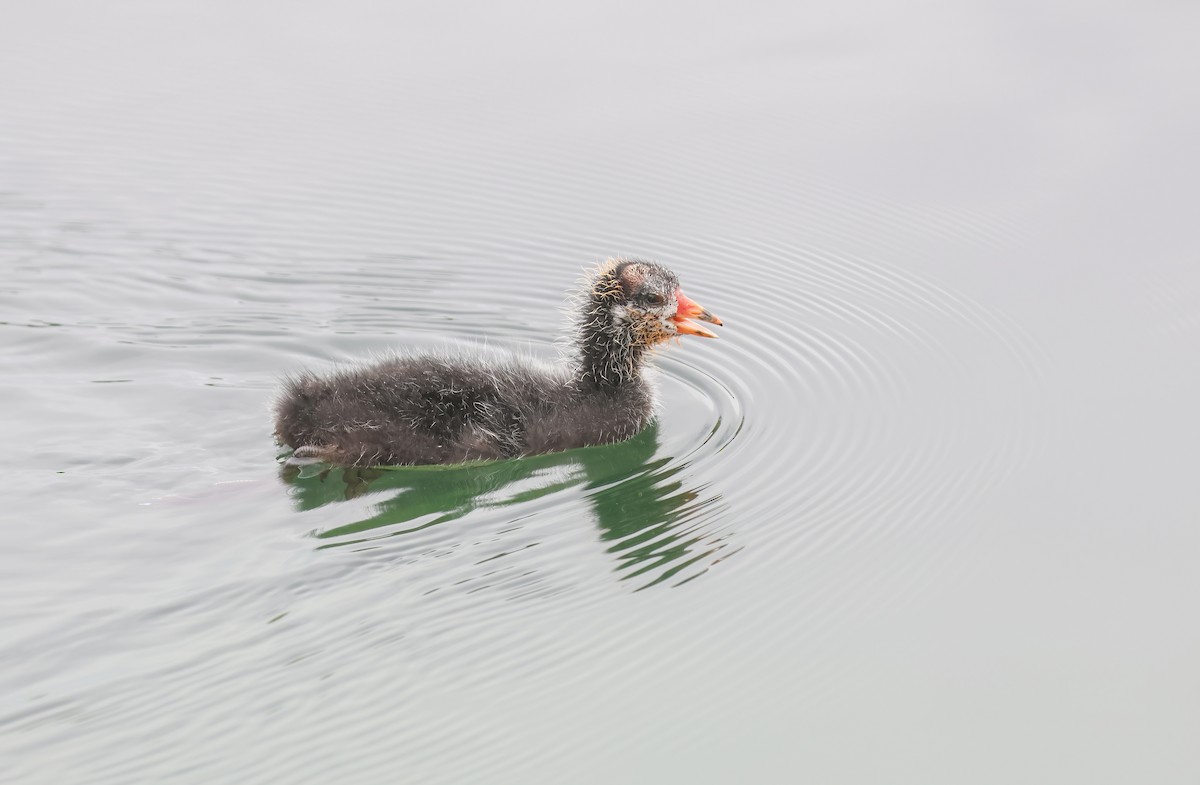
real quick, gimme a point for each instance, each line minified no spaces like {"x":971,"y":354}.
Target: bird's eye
{"x":655,"y":299}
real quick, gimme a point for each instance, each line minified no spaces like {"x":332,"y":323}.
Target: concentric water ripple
{"x":805,"y":433}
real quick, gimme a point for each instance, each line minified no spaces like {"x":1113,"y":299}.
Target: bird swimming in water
{"x":431,"y":409}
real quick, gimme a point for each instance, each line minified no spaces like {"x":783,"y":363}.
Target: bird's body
{"x":431,"y":409}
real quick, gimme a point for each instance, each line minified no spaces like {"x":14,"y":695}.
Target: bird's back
{"x":420,"y":410}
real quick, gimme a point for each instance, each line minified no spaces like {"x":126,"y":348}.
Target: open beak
{"x":690,"y":309}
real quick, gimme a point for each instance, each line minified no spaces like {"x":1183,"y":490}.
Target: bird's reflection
{"x":656,"y":527}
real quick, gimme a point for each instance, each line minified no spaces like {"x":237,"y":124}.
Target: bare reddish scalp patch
{"x":632,"y":277}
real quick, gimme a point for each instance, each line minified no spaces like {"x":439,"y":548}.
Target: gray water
{"x":926,"y":513}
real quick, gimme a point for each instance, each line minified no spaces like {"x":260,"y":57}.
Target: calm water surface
{"x":926,"y":513}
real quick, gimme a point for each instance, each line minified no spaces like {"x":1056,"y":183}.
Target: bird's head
{"x":644,"y":298}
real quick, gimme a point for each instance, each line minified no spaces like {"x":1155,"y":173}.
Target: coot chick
{"x":431,"y":409}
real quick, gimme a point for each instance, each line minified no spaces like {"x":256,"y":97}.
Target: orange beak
{"x":690,"y":309}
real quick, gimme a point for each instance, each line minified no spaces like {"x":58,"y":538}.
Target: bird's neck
{"x":609,"y":358}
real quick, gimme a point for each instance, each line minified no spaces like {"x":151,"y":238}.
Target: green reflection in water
{"x":651,"y":521}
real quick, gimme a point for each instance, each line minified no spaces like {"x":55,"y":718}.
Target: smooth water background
{"x":927,"y":512}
